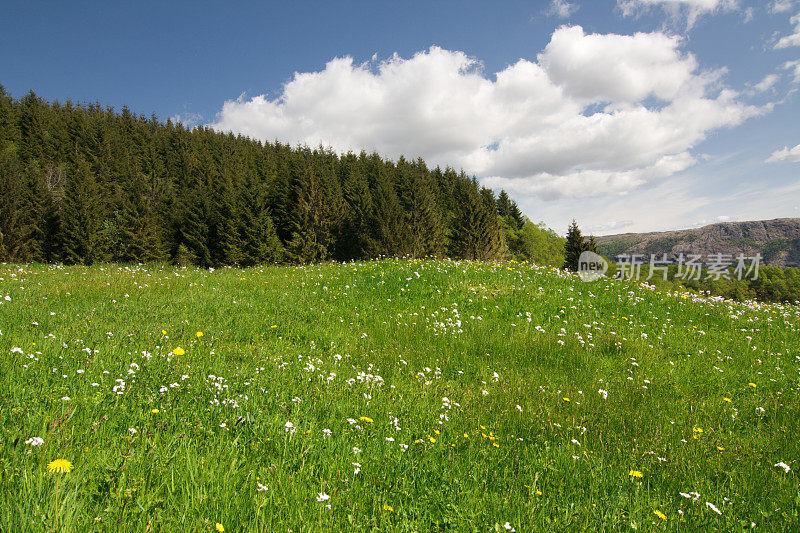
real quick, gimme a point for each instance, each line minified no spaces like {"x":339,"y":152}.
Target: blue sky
{"x":628,"y":115}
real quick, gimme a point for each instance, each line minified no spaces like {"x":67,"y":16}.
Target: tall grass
{"x":419,"y":395}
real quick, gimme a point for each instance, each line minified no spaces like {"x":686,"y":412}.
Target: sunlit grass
{"x":411,"y":395}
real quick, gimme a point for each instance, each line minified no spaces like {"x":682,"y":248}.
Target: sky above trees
{"x":627,"y":115}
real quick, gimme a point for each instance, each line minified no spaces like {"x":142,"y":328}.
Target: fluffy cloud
{"x":786,"y":154}
{"x":593,"y":114}
{"x":781,"y":6}
{"x":691,"y":9}
{"x":793,"y":39}
{"x":562,"y":8}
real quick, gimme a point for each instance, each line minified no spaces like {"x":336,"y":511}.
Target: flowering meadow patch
{"x":390,"y":395}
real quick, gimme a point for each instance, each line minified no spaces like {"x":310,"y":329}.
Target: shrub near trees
{"x":85,"y":184}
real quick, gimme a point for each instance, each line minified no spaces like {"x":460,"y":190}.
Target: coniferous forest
{"x":86,"y":184}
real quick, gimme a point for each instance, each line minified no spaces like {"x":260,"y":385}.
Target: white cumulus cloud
{"x":786,"y":154}
{"x":592,"y":114}
{"x":781,"y":6}
{"x":562,"y":8}
{"x":794,"y":38}
{"x":677,"y":9}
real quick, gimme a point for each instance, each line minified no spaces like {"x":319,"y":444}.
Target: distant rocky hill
{"x":778,"y":241}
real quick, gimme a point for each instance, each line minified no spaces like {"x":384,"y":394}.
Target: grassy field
{"x":391,"y":395}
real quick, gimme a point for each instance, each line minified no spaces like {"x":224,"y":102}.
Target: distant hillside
{"x":778,"y":241}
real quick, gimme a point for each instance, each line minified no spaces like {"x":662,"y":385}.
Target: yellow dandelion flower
{"x":659,"y":514}
{"x":219,"y":527}
{"x":178,"y":351}
{"x":566,"y":399}
{"x":538,"y":492}
{"x":154,"y":411}
{"x":388,"y":508}
{"x":727,"y":400}
{"x":495,"y":445}
{"x":432,"y":439}
{"x":61,"y":466}
{"x":163,"y":332}
{"x":365,"y":419}
{"x":273,"y":326}
{"x":635,"y":473}
{"x":720,"y":448}
{"x":199,"y":334}
{"x":436,"y":431}
{"x":752,"y":385}
{"x":466,"y":436}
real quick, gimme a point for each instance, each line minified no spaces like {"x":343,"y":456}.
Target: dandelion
{"x":219,"y":527}
{"x":636,"y":474}
{"x":155,"y":411}
{"x":727,"y":400}
{"x":566,"y":399}
{"x":365,"y":419}
{"x":783,"y":465}
{"x":199,"y":334}
{"x":59,"y":466}
{"x":659,"y":514}
{"x":178,"y":351}
{"x":322,"y":497}
{"x":752,"y":385}
{"x":388,"y":508}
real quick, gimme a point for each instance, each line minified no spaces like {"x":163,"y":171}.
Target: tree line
{"x":86,"y":184}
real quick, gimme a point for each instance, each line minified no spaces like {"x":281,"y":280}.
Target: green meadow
{"x":394,"y":395}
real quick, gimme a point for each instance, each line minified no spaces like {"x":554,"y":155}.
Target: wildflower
{"x":713,"y":508}
{"x":508,"y":527}
{"x":365,"y":419}
{"x":326,"y":433}
{"x":199,"y":334}
{"x":261,"y":488}
{"x":356,"y":450}
{"x":519,"y":408}
{"x":727,"y":400}
{"x":566,"y":399}
{"x":178,"y":351}
{"x":720,"y":448}
{"x":163,"y":332}
{"x":38,"y":441}
{"x":154,"y":411}
{"x":322,"y":497}
{"x":603,"y":393}
{"x":659,"y":514}
{"x":357,"y":468}
{"x":219,"y":527}
{"x":61,"y":466}
{"x":132,"y":431}
{"x":752,"y":385}
{"x":289,"y":428}
{"x":783,"y":465}
{"x":635,"y":473}
{"x":388,"y":508}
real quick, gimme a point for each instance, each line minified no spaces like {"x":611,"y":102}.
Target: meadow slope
{"x":392,"y":395}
